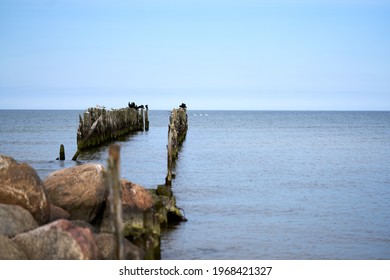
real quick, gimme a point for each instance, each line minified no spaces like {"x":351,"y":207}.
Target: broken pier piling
{"x":99,"y":125}
{"x":177,"y":132}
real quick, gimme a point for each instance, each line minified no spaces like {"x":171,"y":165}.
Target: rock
{"x":81,"y":190}
{"x":57,"y":213}
{"x":166,"y":209}
{"x":140,"y":224}
{"x":60,"y":240}
{"x":9,"y":251}
{"x":84,"y":224}
{"x":137,"y":205}
{"x":106,"y":244}
{"x":20,"y":185}
{"x":14,"y":219}
{"x":135,"y":197}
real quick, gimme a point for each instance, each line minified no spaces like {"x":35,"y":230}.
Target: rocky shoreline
{"x":67,"y":215}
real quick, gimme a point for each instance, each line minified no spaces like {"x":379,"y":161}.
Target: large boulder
{"x":60,"y":240}
{"x":14,"y":219}
{"x":80,"y":190}
{"x":106,"y":244}
{"x":20,"y":185}
{"x":9,"y":251}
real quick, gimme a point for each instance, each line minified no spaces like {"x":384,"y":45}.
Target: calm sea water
{"x":254,"y":185}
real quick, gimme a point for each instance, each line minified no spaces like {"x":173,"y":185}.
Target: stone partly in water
{"x":80,"y":190}
{"x":60,"y":240}
{"x":20,"y":185}
{"x":9,"y":250}
{"x":14,"y":220}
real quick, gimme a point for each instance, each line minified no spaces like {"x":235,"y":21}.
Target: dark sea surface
{"x":253,"y":184}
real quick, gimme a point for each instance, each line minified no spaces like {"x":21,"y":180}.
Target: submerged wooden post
{"x":115,"y":198}
{"x":62,"y":152}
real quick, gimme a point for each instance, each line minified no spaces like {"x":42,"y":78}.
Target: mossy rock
{"x":145,"y":239}
{"x":133,"y":232}
{"x":164,"y":190}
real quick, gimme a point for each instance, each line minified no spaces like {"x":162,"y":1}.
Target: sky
{"x":222,"y":55}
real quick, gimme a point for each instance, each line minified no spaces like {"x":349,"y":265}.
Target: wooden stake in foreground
{"x":115,"y":197}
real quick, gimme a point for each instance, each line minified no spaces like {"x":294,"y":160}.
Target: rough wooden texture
{"x":115,"y":199}
{"x":20,"y":185}
{"x":177,"y":132}
{"x":98,"y":126}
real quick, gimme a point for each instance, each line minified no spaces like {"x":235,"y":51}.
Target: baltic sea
{"x":253,"y":184}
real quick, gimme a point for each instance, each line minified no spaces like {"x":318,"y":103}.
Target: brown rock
{"x":14,"y":219}
{"x":80,"y":190}
{"x":20,"y":185}
{"x":84,"y":224}
{"x":9,"y":251}
{"x":135,"y":197}
{"x":106,"y":244}
{"x":136,"y":204}
{"x":60,"y":240}
{"x":57,"y":213}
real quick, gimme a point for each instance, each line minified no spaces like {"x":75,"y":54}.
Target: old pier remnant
{"x":69,"y":214}
{"x":177,"y":132}
{"x":99,"y":125}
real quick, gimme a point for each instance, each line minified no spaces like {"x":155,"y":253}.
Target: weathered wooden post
{"x":177,"y":130}
{"x":99,"y":125}
{"x":62,"y":152}
{"x":171,"y":128}
{"x":115,"y":197}
{"x":147,"y":118}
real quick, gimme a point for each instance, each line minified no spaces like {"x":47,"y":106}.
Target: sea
{"x":290,"y":185}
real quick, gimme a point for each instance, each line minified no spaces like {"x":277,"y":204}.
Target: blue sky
{"x":246,"y":54}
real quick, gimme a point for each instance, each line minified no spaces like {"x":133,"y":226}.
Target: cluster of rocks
{"x":67,"y":215}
